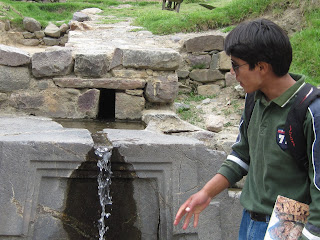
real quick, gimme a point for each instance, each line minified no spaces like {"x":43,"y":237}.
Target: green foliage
{"x":306,"y":49}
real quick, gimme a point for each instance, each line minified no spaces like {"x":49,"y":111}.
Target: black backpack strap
{"x":294,"y":125}
{"x":248,"y":107}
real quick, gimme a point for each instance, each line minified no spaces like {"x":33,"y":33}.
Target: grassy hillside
{"x":192,"y":18}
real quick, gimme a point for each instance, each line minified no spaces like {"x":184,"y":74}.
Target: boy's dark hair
{"x":260,"y":40}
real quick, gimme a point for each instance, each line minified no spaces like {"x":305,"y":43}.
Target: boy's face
{"x":250,"y":80}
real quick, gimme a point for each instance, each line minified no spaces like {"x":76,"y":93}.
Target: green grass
{"x":306,"y":49}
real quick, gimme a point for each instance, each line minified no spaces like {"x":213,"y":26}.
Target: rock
{"x":28,"y":35}
{"x":7,"y":26}
{"x":31,"y":25}
{"x":88,"y":102}
{"x":52,"y":63}
{"x":166,"y":122}
{"x":14,"y":78}
{"x":155,"y":59}
{"x":230,"y":79}
{"x":29,"y":42}
{"x":240,"y":91}
{"x":91,"y":11}
{"x":64,"y":28}
{"x":52,"y":31}
{"x":199,"y":61}
{"x":129,"y":73}
{"x":11,"y":56}
{"x":108,"y":83}
{"x":91,"y":64}
{"x":214,"y":123}
{"x":80,"y":17}
{"x":205,"y":43}
{"x":208,"y":90}
{"x":39,"y":34}
{"x":129,"y":107}
{"x":224,"y":61}
{"x":162,"y":89}
{"x":182,"y":73}
{"x":48,"y":41}
{"x":181,"y":106}
{"x":74,"y":25}
{"x":214,"y":64}
{"x":206,"y":75}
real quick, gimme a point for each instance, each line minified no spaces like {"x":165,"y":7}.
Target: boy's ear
{"x":264,"y":67}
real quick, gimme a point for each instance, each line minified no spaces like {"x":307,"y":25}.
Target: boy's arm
{"x":312,"y":133}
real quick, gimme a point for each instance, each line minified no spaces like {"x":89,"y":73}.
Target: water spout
{"x":104,"y":182}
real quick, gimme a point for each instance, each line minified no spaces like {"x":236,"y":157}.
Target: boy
{"x":261,"y":55}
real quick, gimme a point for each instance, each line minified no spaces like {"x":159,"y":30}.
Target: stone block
{"x":155,"y":59}
{"x":14,"y":78}
{"x":88,"y":102}
{"x":205,"y":43}
{"x":12,"y":56}
{"x":91,"y":65}
{"x":52,"y":63}
{"x":224,"y":61}
{"x":199,"y":61}
{"x":108,"y":83}
{"x":208,"y":90}
{"x":214,"y":64}
{"x":29,"y":42}
{"x":162,"y":89}
{"x":128,"y":107}
{"x":206,"y":75}
{"x":230,"y":79}
{"x":31,"y":25}
{"x":129,"y":73}
{"x":34,"y":152}
{"x":49,"y":41}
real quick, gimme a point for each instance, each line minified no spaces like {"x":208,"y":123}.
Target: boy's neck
{"x":275,"y":86}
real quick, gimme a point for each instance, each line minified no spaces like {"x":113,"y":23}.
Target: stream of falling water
{"x":104,"y":182}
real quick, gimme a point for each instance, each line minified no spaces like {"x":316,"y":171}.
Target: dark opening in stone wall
{"x":107,"y":104}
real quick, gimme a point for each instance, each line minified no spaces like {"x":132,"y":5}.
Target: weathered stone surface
{"x":91,"y":65}
{"x":182,"y":73}
{"x":52,"y":31}
{"x":36,"y":153}
{"x":57,"y":103}
{"x":214,"y":123}
{"x":88,"y":102}
{"x":240,"y":91}
{"x":63,"y":28}
{"x":75,"y":25}
{"x":162,"y":89}
{"x":31,"y":25}
{"x":11,"y":56}
{"x":14,"y":78}
{"x":48,"y":41}
{"x":28,"y":35}
{"x":206,"y":75}
{"x":214,"y":64}
{"x":129,"y":73}
{"x":230,"y":79}
{"x":224,"y":61}
{"x":29,"y":42}
{"x":39,"y":34}
{"x":109,"y":83}
{"x":155,"y":59}
{"x":208,"y":90}
{"x":166,"y":122}
{"x":128,"y":106}
{"x":199,"y":61}
{"x":185,"y":166}
{"x":80,"y":17}
{"x":53,"y":63}
{"x":205,"y":43}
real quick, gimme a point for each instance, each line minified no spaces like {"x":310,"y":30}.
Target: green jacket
{"x":261,"y":153}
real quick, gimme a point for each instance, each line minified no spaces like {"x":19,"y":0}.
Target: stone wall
{"x":59,"y":83}
{"x":206,"y":67}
